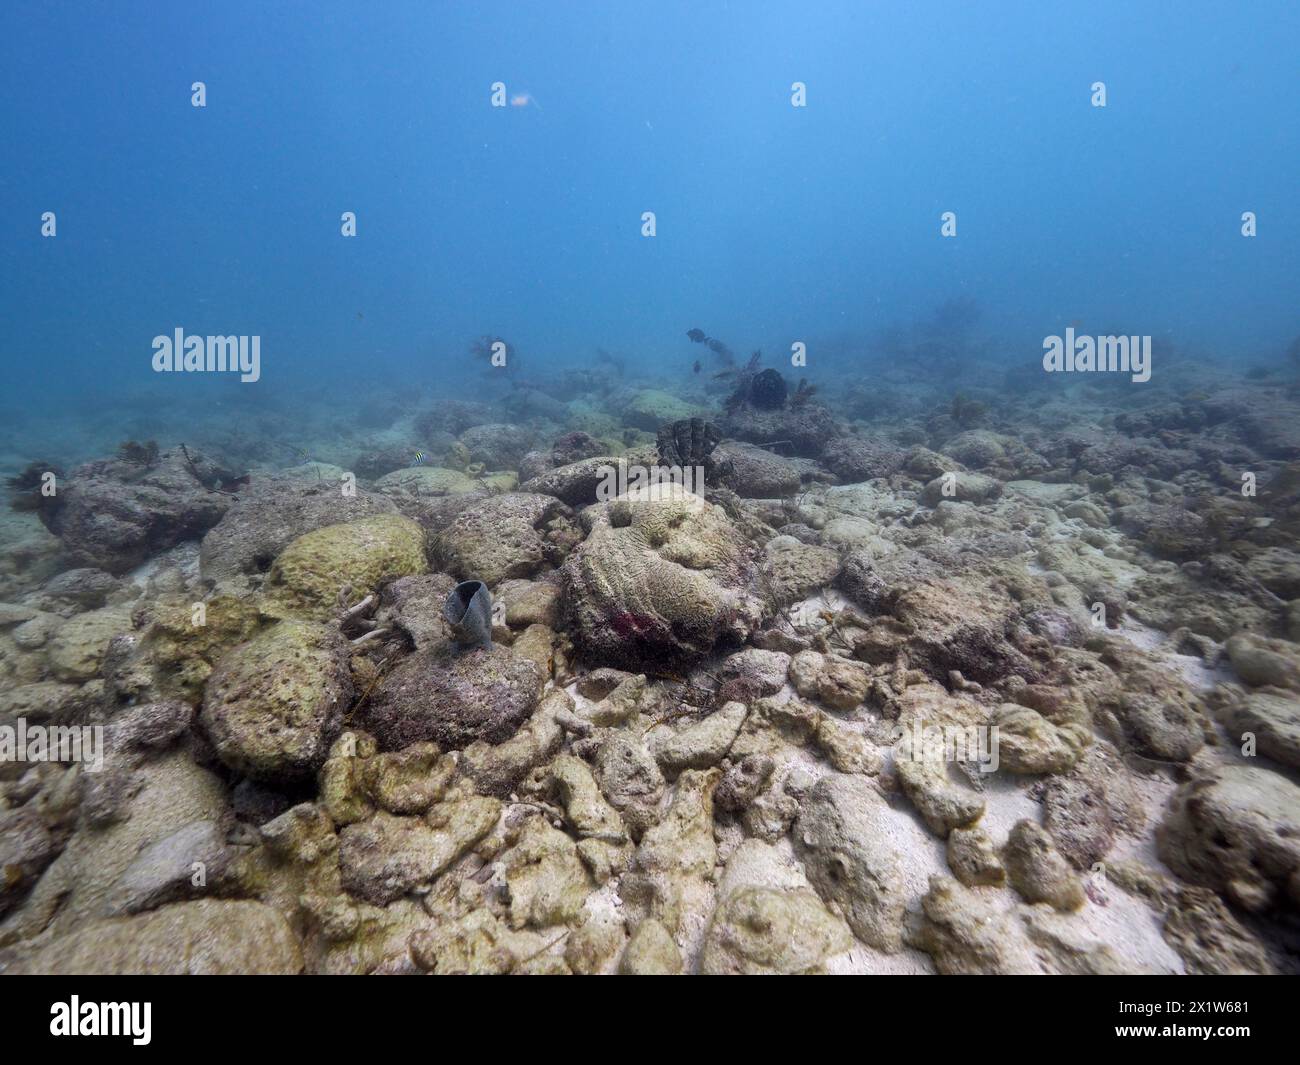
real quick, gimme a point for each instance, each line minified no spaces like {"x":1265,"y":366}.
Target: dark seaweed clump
{"x":138,"y":454}
{"x":688,"y":442}
{"x":768,"y":390}
{"x":25,"y":488}
{"x":802,"y":394}
{"x":967,"y":412}
{"x":765,"y":389}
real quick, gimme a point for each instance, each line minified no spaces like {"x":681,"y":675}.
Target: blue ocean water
{"x":774,"y":223}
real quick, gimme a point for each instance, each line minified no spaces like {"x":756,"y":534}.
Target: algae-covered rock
{"x":76,"y":650}
{"x":41,"y":701}
{"x":1271,"y":715}
{"x":26,"y":848}
{"x":944,"y":801}
{"x":973,"y":859}
{"x":1209,"y":937}
{"x":754,"y":473}
{"x":621,"y":705}
{"x":1087,"y":807}
{"x":415,"y":604}
{"x":1261,"y":662}
{"x":702,"y":744}
{"x":530,"y":603}
{"x":497,"y":445}
{"x":670,"y":871}
{"x":453,"y":698}
{"x":537,"y":644}
{"x":592,"y":947}
{"x":424,"y":482}
{"x":207,"y":937}
{"x":961,"y":487}
{"x":113,"y":514}
{"x":652,"y":408}
{"x":797,"y":570}
{"x":846,"y":750}
{"x":1029,"y":743}
{"x":850,"y":860}
{"x":761,"y":671}
{"x":269,"y":515}
{"x":184,"y":644}
{"x":630,"y":779}
{"x":164,"y":871}
{"x":1162,"y":728}
{"x":357,"y":777}
{"x":768,"y":920}
{"x":273,"y":705}
{"x":384,"y":857}
{"x":966,"y":934}
{"x":476,"y":943}
{"x":497,"y":769}
{"x":804,"y":430}
{"x":308,"y":576}
{"x":1037,"y":870}
{"x":585,"y":810}
{"x":545,"y":876}
{"x":650,"y":951}
{"x":159,"y":797}
{"x":515,"y":535}
{"x":838,"y":682}
{"x":1236,"y":830}
{"x":576,"y":483}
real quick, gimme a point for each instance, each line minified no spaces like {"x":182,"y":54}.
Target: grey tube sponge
{"x":468,"y":611}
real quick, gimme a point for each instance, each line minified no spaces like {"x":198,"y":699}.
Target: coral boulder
{"x":661,"y":579}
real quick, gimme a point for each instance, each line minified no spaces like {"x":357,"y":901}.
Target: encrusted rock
{"x":838,"y":682}
{"x":545,"y":877}
{"x":650,"y":952}
{"x":766,"y":670}
{"x":850,"y":861}
{"x":797,"y":570}
{"x":383,"y":858}
{"x":273,"y":705}
{"x":453,"y":698}
{"x":753,"y":473}
{"x":577,"y":483}
{"x":961,"y":487}
{"x":497,"y":769}
{"x":702,"y":744}
{"x":973,"y":859}
{"x":858,"y":458}
{"x":768,"y":920}
{"x":1029,"y":743}
{"x":308,"y":576}
{"x":1086,"y":807}
{"x":1271,"y":715}
{"x":269,"y":515}
{"x":669,"y":876}
{"x":630,"y":779}
{"x":1037,"y":870}
{"x":207,"y":937}
{"x":514,"y":535}
{"x":1236,"y":830}
{"x":966,"y":934}
{"x":113,"y":514}
{"x":1262,"y":662}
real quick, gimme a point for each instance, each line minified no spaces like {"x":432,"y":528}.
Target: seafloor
{"x":696,"y":741}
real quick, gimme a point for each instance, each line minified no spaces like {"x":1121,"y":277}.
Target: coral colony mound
{"x":715,"y":673}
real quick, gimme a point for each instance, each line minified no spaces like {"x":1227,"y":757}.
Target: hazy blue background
{"x":775,"y":223}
